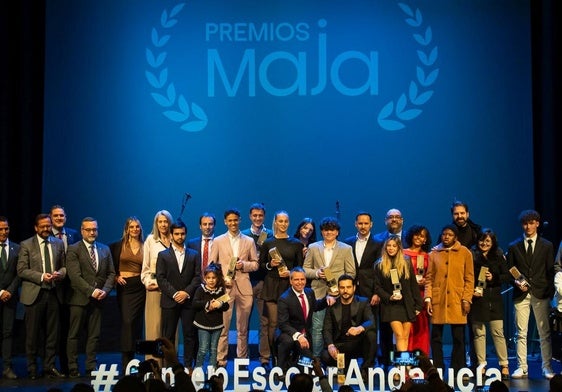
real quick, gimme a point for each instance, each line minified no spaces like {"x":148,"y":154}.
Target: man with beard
{"x":178,"y":272}
{"x":41,"y":267}
{"x":349,"y":328}
{"x":467,"y":229}
{"x":92,"y":276}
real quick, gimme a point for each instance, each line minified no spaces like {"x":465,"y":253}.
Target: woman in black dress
{"x":279,"y":254}
{"x":400,"y":305}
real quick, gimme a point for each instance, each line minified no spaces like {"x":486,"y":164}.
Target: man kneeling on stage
{"x":349,"y":328}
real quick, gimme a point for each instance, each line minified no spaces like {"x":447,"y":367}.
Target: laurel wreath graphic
{"x":416,"y":97}
{"x":179,"y":109}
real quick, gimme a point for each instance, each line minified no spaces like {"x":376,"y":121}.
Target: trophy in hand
{"x":275,"y":255}
{"x":419,"y":268}
{"x":519,"y":277}
{"x":481,"y":283}
{"x":331,"y":281}
{"x":397,"y":287}
{"x":231,"y":272}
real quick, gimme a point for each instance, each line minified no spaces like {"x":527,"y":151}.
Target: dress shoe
{"x":9,"y":374}
{"x":74,"y":373}
{"x":32,"y":374}
{"x":54,"y":373}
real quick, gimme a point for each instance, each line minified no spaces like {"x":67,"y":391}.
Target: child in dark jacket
{"x":209,"y":302}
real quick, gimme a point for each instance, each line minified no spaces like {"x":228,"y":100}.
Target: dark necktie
{"x":59,"y":235}
{"x":48,"y":268}
{"x":205,"y":255}
{"x":529,"y":250}
{"x":4,"y":256}
{"x":93,"y":257}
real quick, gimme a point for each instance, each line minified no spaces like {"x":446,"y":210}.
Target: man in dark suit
{"x":41,"y":267}
{"x":178,"y":272}
{"x":534,"y":258}
{"x":9,"y":284}
{"x":349,"y":328}
{"x":68,"y":236}
{"x":366,"y":250}
{"x":204,"y":242}
{"x":295,"y":309}
{"x":92,"y":274}
{"x":394,"y":223}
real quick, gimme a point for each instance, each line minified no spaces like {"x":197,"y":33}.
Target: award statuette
{"x":262,"y":237}
{"x":282,"y":267}
{"x":481,"y":283}
{"x":231,"y":271}
{"x":518,"y":276}
{"x":223,"y":298}
{"x":340,"y":361}
{"x":331,"y":281}
{"x":419,"y":268}
{"x":397,"y":292}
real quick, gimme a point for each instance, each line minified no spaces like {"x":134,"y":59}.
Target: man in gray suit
{"x":41,"y":267}
{"x":9,"y":284}
{"x":92,"y":275}
{"x":328,"y":254}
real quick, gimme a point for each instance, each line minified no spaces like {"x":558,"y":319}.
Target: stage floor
{"x":535,"y":382}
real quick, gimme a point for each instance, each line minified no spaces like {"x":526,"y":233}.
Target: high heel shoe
{"x":505,"y":373}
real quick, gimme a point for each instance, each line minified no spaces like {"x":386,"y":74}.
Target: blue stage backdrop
{"x":294,"y":103}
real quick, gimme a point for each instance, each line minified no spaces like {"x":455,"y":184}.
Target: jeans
{"x":317,"y":327}
{"x":208,"y":343}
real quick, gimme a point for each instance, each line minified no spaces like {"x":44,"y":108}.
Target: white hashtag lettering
{"x":104,"y":379}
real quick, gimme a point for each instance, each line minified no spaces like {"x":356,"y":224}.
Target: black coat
{"x":490,"y":305}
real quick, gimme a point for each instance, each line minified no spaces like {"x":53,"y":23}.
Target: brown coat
{"x":450,"y":279}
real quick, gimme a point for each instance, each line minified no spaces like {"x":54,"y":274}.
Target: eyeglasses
{"x":88,"y":230}
{"x":397,"y":217}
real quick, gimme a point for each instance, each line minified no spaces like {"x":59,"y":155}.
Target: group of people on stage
{"x":314,"y":298}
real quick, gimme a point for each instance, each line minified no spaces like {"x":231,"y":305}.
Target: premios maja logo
{"x":192,"y":117}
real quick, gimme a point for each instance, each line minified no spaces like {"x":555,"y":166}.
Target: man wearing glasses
{"x":41,"y":267}
{"x":91,"y":272}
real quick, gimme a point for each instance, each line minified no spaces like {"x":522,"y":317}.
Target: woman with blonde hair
{"x":158,"y":240}
{"x":396,"y":285}
{"x":127,"y":254}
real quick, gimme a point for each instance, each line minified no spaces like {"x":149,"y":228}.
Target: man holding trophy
{"x":325,"y":262}
{"x":531,"y":262}
{"x":237,"y":255}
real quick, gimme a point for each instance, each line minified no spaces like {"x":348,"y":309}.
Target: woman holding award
{"x":419,"y":245}
{"x":396,"y":285}
{"x":279,"y":254}
{"x":490,"y":271}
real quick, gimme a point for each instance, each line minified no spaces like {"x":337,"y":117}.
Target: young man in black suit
{"x":533,"y":256}
{"x":178,"y":272}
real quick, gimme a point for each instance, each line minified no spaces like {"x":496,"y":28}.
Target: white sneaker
{"x":520,"y":373}
{"x":547,"y":373}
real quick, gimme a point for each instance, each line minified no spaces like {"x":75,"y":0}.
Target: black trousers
{"x":170,"y":318}
{"x":458,"y":359}
{"x":43,"y":314}
{"x":364,"y":346}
